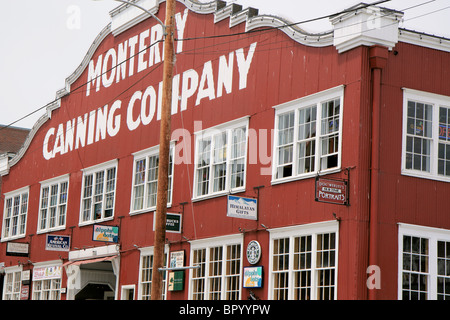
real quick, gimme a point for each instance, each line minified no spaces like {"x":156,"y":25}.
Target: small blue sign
{"x":57,"y":243}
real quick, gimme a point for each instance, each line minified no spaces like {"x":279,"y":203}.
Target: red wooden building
{"x":303,"y":166}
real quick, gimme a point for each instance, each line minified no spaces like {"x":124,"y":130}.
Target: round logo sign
{"x":253,"y":252}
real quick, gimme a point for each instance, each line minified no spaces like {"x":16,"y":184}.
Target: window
{"x":145,"y":274}
{"x":219,"y":275}
{"x":47,"y":289}
{"x":424,"y":263}
{"x":308,"y":133}
{"x":220,"y":161}
{"x":15,"y":214}
{"x":98,"y":193}
{"x":303,"y":262}
{"x":426,"y":135}
{"x":12,"y":283}
{"x":53,"y":204}
{"x":145,"y":179}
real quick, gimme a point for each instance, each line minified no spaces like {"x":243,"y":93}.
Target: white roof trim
{"x":424,"y":40}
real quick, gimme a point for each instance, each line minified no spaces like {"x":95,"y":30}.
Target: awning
{"x":86,"y":261}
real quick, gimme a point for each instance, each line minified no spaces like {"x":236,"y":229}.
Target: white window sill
{"x":13,"y":238}
{"x":147,"y":210}
{"x":218,"y":194}
{"x":304,"y":176}
{"x":87,"y":223}
{"x":51,"y":230}
{"x":421,"y":175}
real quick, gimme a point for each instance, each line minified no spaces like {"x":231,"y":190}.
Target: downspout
{"x":377,"y":60}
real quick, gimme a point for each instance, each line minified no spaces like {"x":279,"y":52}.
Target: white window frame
{"x":147,"y":252}
{"x":433,"y":235}
{"x":11,"y":291}
{"x":146,"y":154}
{"x":124,"y":290}
{"x":7,"y":234}
{"x":228,"y":129}
{"x":58,"y":182}
{"x":104,"y":167}
{"x":313,"y":100}
{"x":292,"y":232}
{"x":436,"y":101}
{"x":224,"y":242}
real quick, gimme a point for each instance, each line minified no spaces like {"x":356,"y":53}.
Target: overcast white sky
{"x":44,"y":41}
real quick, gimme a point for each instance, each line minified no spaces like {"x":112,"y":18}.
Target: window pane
{"x":415,"y":268}
{"x":203,"y":162}
{"x":306,"y":136}
{"x":302,"y":268}
{"x":419,"y":134}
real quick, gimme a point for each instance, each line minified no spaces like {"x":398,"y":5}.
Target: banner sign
{"x":57,"y":243}
{"x":332,"y":191}
{"x":253,"y":277}
{"x":105,"y":233}
{"x":46,"y":273}
{"x":244,"y":208}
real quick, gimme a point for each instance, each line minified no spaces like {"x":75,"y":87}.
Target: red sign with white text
{"x":331,"y":191}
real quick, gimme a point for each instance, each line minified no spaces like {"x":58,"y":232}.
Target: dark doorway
{"x":95,"y":291}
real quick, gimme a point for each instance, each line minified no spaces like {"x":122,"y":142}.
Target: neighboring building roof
{"x":12,"y":138}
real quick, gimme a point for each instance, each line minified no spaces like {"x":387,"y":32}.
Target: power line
{"x":287,"y":24}
{"x":259,"y":30}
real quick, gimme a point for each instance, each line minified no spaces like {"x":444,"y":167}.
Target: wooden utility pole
{"x":164,"y":149}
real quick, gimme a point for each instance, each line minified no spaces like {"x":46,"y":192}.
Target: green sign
{"x":176,"y":280}
{"x":173,"y":222}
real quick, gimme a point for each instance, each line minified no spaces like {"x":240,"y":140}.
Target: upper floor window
{"x":15,"y":214}
{"x":53,"y":204}
{"x":220,"y":159}
{"x":145,"y":179}
{"x":98,"y":193}
{"x":308,"y":134}
{"x":426,"y":135}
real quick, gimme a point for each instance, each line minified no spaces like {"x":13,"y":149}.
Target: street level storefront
{"x":301,"y":166}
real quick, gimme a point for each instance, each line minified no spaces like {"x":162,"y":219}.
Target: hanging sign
{"x":173,"y":222}
{"x":245,"y":208}
{"x":105,"y":233}
{"x":177,"y":259}
{"x":253,"y":252}
{"x":57,"y":243}
{"x":176,"y":281}
{"x":24,"y":292}
{"x":332,"y":191}
{"x":253,"y":277}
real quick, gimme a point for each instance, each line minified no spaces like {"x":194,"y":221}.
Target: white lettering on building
{"x":146,"y":48}
{"x":145,"y":106}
